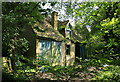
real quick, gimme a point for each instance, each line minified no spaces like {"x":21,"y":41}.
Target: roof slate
{"x":50,"y":33}
{"x":54,"y":34}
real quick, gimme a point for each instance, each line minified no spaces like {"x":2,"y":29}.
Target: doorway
{"x":77,"y":52}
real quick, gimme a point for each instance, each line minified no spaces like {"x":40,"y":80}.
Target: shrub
{"x":109,"y":73}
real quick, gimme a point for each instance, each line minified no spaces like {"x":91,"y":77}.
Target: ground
{"x":83,"y":75}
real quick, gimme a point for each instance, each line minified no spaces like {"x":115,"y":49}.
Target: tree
{"x":103,"y":19}
{"x":14,"y":16}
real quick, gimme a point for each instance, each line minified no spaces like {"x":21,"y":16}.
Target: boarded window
{"x":56,"y":51}
{"x":45,"y":50}
{"x":49,"y":51}
{"x":67,"y":49}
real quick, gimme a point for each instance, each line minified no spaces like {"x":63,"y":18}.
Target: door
{"x":77,"y":52}
{"x":80,"y":52}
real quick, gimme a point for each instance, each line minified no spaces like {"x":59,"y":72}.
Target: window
{"x":48,"y":49}
{"x":67,"y":49}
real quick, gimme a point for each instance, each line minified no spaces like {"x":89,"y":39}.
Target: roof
{"x":60,"y":23}
{"x":52,"y":33}
{"x":76,"y":37}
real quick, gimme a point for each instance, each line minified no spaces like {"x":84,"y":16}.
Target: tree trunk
{"x":13,"y":64}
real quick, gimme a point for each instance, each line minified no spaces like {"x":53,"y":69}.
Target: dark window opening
{"x":67,"y":49}
{"x":77,"y":52}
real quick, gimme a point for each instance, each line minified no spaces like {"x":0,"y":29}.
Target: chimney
{"x":54,"y":20}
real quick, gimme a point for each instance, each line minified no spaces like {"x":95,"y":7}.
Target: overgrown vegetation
{"x":110,"y":73}
{"x":102,"y":41}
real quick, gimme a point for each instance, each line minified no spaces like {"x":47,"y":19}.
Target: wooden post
{"x":63,"y":53}
{"x":37,"y":51}
{"x":72,"y":53}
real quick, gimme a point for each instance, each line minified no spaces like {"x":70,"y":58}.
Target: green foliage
{"x":102,"y":41}
{"x":90,"y":62}
{"x":15,"y":16}
{"x":104,"y":38}
{"x":25,"y":70}
{"x":66,"y":72}
{"x":7,"y":77}
{"x":110,"y":73}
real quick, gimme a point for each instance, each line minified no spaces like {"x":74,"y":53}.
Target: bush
{"x":109,"y":73}
{"x":7,"y":77}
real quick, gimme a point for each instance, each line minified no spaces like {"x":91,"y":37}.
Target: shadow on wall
{"x":28,"y":34}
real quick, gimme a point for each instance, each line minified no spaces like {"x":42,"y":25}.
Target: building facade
{"x":53,"y":41}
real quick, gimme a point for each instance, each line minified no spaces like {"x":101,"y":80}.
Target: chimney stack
{"x":54,"y":20}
